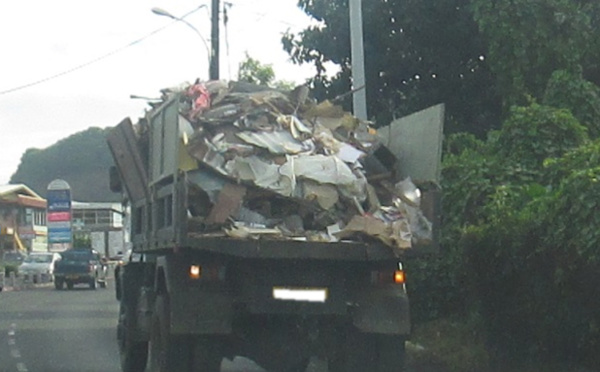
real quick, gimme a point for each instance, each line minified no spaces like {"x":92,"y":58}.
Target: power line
{"x":93,"y":61}
{"x":276,"y":18}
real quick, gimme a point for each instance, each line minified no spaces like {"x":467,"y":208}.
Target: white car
{"x":41,"y":263}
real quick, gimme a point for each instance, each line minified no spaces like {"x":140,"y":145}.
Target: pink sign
{"x":59,"y":216}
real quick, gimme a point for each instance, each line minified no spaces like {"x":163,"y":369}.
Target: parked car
{"x":13,"y":258}
{"x":39,"y":265}
{"x":80,"y":266}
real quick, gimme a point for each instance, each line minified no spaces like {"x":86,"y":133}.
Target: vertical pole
{"x":359,"y":98}
{"x":214,"y":41}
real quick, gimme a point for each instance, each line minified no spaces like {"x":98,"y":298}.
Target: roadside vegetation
{"x":515,"y":287}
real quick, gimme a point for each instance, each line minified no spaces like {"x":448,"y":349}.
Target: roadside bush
{"x":520,"y":237}
{"x":9,"y":268}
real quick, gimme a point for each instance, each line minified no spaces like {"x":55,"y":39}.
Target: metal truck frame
{"x":188,"y":300}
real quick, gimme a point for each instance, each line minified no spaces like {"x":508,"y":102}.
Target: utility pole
{"x":214,"y":41}
{"x":359,"y":98}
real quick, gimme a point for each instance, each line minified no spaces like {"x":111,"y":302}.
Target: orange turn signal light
{"x":195,"y":271}
{"x":399,"y":277}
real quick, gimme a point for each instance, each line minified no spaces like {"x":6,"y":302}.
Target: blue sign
{"x":58,"y":198}
{"x":59,"y":236}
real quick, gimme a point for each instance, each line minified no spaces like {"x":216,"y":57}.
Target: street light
{"x":164,"y":13}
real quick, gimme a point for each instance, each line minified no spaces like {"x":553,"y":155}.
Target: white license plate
{"x":300,"y":294}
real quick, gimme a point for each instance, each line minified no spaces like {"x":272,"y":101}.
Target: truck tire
{"x":207,"y":355}
{"x":58,"y":284}
{"x":69,"y":285}
{"x":133,"y":354}
{"x":299,"y":366}
{"x":370,"y":352}
{"x":168,"y":353}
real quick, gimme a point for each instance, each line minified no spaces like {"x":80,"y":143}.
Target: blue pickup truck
{"x":80,"y":266}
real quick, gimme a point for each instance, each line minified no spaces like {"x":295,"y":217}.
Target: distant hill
{"x":82,"y":160}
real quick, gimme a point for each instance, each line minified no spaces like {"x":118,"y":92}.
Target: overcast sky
{"x":41,"y":38}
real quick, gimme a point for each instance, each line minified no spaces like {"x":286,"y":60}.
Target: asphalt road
{"x":44,"y":330}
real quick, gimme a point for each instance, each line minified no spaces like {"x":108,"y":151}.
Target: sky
{"x":41,"y":39}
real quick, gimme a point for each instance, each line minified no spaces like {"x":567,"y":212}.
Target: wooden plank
{"x":228,"y":203}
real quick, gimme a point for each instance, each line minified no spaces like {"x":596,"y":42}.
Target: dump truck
{"x":267,"y":225}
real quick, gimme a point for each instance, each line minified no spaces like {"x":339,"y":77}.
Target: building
{"x":102,"y":224}
{"x":22,"y":219}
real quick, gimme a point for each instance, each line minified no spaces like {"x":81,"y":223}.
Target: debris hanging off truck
{"x":264,"y":163}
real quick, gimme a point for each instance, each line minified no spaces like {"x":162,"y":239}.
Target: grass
{"x":447,"y":345}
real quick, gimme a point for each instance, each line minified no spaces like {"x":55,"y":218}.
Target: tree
{"x":571,"y":91}
{"x":252,"y":71}
{"x":520,"y":228}
{"x":417,"y":53}
{"x":529,"y":39}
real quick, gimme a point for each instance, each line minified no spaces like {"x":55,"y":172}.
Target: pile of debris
{"x":279,"y":164}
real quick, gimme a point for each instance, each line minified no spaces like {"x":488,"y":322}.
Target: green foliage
{"x":571,"y":91}
{"x":583,"y":157}
{"x":252,"y":71}
{"x":82,"y":160}
{"x":521,"y":237}
{"x":458,"y":346}
{"x":532,"y":134}
{"x":82,"y":241}
{"x":520,"y":231}
{"x":417,"y":54}
{"x":529,"y":39}
{"x":457,"y":143}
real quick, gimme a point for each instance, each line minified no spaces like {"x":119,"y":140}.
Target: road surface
{"x":44,"y":330}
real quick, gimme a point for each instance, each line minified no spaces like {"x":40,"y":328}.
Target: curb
{"x":24,"y":287}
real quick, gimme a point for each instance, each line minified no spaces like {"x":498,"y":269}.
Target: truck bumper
{"x":201,"y":312}
{"x":379,"y":310}
{"x":384,"y":311}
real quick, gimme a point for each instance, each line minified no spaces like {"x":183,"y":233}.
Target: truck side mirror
{"x":115,"y":180}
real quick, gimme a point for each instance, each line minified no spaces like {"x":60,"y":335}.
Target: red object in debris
{"x":201,"y":99}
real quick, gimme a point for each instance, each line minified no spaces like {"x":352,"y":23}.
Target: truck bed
{"x":292,"y":249}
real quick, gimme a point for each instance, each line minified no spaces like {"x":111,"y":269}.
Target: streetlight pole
{"x":214,"y":41}
{"x":164,"y":13}
{"x":359,"y":97}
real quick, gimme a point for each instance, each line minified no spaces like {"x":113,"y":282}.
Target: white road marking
{"x":14,"y":351}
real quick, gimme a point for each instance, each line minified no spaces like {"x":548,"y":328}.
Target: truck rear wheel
{"x":370,"y":352}
{"x":133,"y":354}
{"x":58,"y":284}
{"x":168,"y":353}
{"x":69,"y":285}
